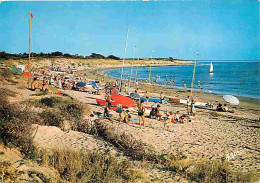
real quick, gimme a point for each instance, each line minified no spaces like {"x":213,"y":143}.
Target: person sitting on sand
{"x":226,"y":109}
{"x":183,"y":118}
{"x":152,"y":113}
{"x":220,"y":108}
{"x":141,"y":111}
{"x":124,"y":116}
{"x":35,"y":84}
{"x":45,"y":85}
{"x":74,"y":87}
{"x":171,"y":117}
{"x":176,"y":116}
{"x":157,"y":112}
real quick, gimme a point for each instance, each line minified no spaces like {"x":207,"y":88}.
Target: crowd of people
{"x":56,"y":76}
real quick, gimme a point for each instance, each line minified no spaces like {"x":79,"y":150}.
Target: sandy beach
{"x":211,"y":136}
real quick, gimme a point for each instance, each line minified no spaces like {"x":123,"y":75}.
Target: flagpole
{"x":29,"y":52}
{"x":193,"y":75}
{"x":136,"y":71}
{"x":121,"y":78}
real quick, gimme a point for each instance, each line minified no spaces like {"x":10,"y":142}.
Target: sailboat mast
{"x":136,"y":71}
{"x":132,"y":67}
{"x":193,"y":75}
{"x":150,"y":68}
{"x":121,"y":78}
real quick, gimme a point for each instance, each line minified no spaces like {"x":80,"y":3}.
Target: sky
{"x":216,"y":29}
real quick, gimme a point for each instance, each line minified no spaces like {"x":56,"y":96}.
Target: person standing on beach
{"x":184,"y":85}
{"x":201,"y":89}
{"x":199,"y":83}
{"x":146,"y":96}
{"x":141,"y":111}
{"x":161,"y":97}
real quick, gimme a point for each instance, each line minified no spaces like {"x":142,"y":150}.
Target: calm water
{"x":236,"y":78}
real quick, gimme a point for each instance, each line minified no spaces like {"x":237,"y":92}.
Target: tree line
{"x":6,"y":56}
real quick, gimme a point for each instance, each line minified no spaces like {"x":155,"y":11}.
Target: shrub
{"x":16,"y":130}
{"x":15,"y":126}
{"x":51,"y":101}
{"x":86,"y":167}
{"x":6,"y":92}
{"x":218,"y":171}
{"x":51,"y":118}
{"x":73,"y":111}
{"x":7,"y":173}
{"x":7,"y":73}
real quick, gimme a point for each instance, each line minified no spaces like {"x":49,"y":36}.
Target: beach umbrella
{"x":231,"y":99}
{"x":27,"y":74}
{"x":135,"y":96}
{"x":123,"y":100}
{"x":81,"y":84}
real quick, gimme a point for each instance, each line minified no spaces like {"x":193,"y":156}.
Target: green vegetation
{"x":6,"y":56}
{"x":86,"y":167}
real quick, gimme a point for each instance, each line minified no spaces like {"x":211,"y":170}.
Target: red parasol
{"x":123,"y":100}
{"x":27,"y":74}
{"x":114,"y":91}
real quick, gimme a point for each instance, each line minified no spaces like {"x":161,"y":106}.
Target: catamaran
{"x":211,"y":68}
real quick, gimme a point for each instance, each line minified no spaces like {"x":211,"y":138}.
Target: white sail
{"x":211,"y":68}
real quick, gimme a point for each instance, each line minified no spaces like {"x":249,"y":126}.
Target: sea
{"x":238,"y":78}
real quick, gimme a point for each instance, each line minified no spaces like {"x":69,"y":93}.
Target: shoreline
{"x":244,"y":100}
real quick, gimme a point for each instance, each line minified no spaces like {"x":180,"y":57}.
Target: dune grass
{"x":75,"y":166}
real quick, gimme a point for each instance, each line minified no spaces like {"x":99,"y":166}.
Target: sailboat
{"x":211,"y":68}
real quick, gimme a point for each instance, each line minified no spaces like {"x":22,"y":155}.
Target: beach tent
{"x":13,"y":68}
{"x":19,"y":71}
{"x":123,"y":100}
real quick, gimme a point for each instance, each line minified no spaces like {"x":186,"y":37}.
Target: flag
{"x":31,"y":15}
